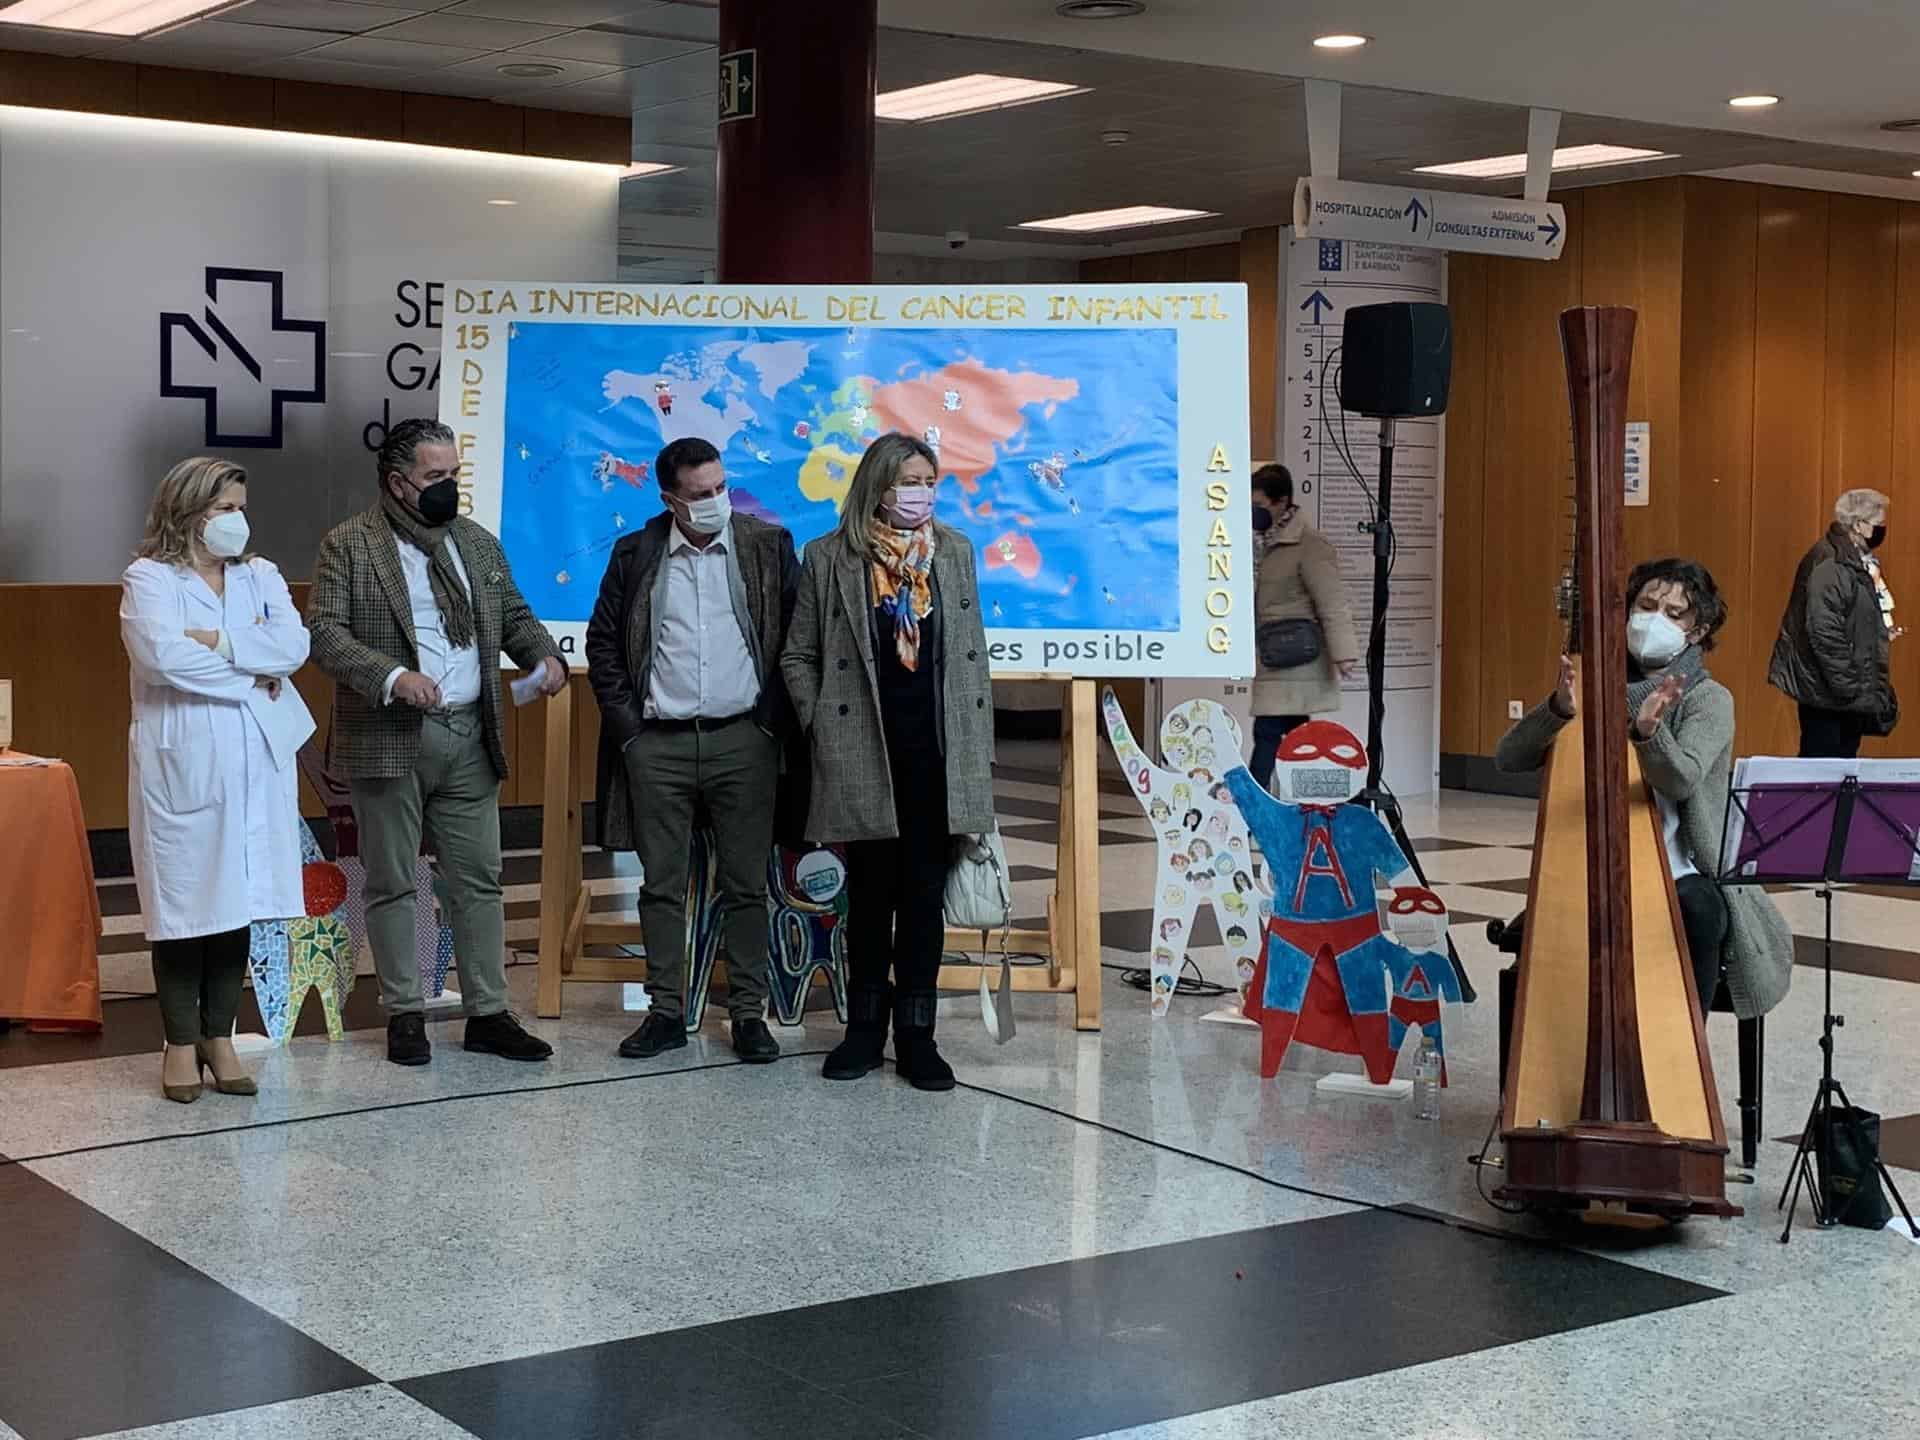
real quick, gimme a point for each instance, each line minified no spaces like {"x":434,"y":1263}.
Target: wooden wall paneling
{"x":1712,"y":463}
{"x":1259,"y":271}
{"x":567,"y":135}
{"x":1204,"y":264}
{"x":1107,"y":270}
{"x":204,"y":97}
{"x":466,"y":124}
{"x":316,"y":109}
{"x":1632,"y":255}
{"x":1789,"y":421}
{"x":1463,"y":514}
{"x":1528,"y":473}
{"x":54,"y":82}
{"x":1863,"y":235}
{"x":60,"y":645}
{"x":1900,"y":556}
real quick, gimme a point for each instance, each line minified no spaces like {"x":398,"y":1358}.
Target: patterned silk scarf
{"x":903,"y":583}
{"x":456,"y":609}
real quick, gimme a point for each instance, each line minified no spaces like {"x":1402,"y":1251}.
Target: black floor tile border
{"x":103,"y":1331}
{"x":1075,"y":1348}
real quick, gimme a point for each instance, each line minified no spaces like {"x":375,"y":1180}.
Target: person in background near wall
{"x":213,"y":811}
{"x":411,"y":607}
{"x":887,"y":666}
{"x":1297,"y":580}
{"x":683,"y":651}
{"x":1682,"y":729}
{"x":1831,"y":657}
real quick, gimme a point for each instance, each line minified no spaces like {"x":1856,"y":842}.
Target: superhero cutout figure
{"x":1339,"y":969}
{"x":1205,"y":854}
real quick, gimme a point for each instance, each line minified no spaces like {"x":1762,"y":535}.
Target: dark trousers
{"x":197,"y":982}
{"x":1268,"y":732}
{"x":1830,"y":734}
{"x":1703,"y":913}
{"x":896,"y":889}
{"x":728,"y":776}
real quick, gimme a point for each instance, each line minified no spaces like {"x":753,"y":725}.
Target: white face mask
{"x":225,"y":536}
{"x":1653,"y":639}
{"x":707,"y":515}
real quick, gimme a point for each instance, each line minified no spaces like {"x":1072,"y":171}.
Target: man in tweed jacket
{"x":411,"y":605}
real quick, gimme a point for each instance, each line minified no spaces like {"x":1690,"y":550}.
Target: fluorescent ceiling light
{"x":1753,"y":102}
{"x":967,"y":95}
{"x":641,"y":168}
{"x":1570,"y":157}
{"x":503,"y":202}
{"x":108,"y":17}
{"x":1125,"y":218}
{"x":1339,"y":42}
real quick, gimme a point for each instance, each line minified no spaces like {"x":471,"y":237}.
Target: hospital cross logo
{"x":243,"y":359}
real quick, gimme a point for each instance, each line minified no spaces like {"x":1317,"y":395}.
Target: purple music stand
{"x":1819,"y":823}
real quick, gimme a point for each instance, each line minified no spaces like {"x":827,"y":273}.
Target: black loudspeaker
{"x":1396,"y":360}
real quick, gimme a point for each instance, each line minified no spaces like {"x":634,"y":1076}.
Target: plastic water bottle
{"x":1426,"y":1081}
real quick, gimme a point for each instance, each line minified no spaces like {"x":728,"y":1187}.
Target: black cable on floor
{"x":396,"y":1105}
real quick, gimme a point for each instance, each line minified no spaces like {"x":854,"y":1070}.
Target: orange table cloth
{"x":49,"y":910}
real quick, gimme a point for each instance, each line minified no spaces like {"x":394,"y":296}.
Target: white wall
{"x":109,"y":223}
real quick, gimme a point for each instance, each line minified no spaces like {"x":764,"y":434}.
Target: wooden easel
{"x":1070,"y":943}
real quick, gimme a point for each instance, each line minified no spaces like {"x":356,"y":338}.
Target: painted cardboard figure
{"x":1204,"y":849}
{"x":1339,"y":970}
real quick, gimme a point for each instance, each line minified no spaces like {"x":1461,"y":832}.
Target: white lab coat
{"x":213,"y":804}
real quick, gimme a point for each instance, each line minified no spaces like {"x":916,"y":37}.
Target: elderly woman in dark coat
{"x":886,"y":663}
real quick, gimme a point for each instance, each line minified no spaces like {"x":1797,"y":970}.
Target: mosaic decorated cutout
{"x":1205,"y":851}
{"x":1342,"y":968}
{"x":287,"y":958}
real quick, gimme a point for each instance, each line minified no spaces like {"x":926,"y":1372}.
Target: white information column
{"x":1335,"y":460}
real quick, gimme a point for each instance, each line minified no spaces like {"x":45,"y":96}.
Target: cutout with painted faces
{"x":1416,"y":917}
{"x":1319,"y":763}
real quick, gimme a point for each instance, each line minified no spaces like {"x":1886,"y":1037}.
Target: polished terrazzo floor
{"x":1122,"y":1233}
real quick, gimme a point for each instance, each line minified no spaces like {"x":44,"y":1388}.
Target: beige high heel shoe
{"x":238,"y":1085}
{"x":180,"y":1094}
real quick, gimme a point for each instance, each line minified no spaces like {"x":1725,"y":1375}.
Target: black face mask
{"x":437,"y":504}
{"x":1877,"y":537}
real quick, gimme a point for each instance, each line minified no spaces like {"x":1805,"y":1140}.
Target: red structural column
{"x":796,"y":172}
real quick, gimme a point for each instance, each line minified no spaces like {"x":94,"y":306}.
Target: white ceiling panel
{"x":686,"y":77}
{"x":683,"y":19}
{"x":549,"y":12}
{"x":344,"y":16}
{"x":390,"y":55}
{"x":610,"y":47}
{"x":469,"y":31}
{"x":224,"y":39}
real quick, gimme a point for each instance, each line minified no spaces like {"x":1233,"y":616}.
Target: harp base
{"x":1639,"y":1166}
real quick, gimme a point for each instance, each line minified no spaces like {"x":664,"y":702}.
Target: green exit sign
{"x":739,"y":87}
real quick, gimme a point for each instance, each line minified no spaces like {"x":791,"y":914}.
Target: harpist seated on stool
{"x":1682,"y":730}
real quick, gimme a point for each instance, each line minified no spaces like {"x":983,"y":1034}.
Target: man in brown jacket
{"x":412,"y":605}
{"x":1297,"y":578}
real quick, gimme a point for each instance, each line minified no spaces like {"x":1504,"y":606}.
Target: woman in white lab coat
{"x":212,"y":789}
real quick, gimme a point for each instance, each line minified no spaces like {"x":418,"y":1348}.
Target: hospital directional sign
{"x":1437,"y":219}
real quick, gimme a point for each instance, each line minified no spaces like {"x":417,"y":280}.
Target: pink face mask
{"x":908,"y":507}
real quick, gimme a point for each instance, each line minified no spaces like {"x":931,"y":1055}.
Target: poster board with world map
{"x":1092,"y":441}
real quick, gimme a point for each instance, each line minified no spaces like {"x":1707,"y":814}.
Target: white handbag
{"x":980,"y":897}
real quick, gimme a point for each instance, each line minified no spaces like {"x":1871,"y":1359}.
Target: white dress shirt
{"x":456,"y":672}
{"x":702,"y":664}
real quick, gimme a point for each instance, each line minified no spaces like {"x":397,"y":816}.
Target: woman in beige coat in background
{"x":1297,"y":577}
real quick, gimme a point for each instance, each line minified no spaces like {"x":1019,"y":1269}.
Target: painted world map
{"x":1057,"y":450}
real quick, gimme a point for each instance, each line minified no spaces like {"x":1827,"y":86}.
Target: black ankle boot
{"x":915,"y":1055}
{"x":861,"y":1051}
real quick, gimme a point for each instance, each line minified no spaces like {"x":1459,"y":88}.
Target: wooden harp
{"x":1610,"y":1100}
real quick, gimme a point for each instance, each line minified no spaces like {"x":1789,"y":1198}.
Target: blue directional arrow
{"x":1315,"y":301}
{"x":1416,"y":212}
{"x":1551,"y":229}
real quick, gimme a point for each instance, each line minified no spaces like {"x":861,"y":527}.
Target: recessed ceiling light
{"x":1100,"y":9}
{"x":503,"y":202}
{"x":967,"y":95}
{"x":1753,"y":102}
{"x":1916,"y":174}
{"x":1340,"y":42}
{"x":532,"y":71}
{"x":1899,"y":126}
{"x":1570,"y":157}
{"x":1126,"y":218}
{"x":641,"y":168}
{"x":127,"y":17}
